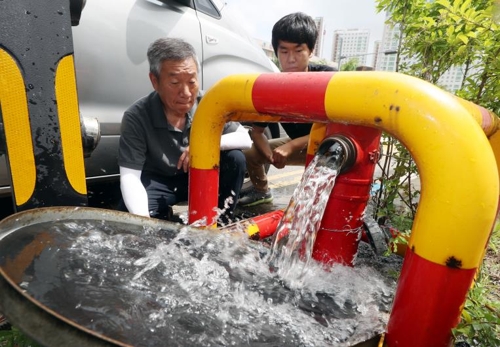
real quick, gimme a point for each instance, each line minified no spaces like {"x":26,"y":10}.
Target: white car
{"x":110,"y":45}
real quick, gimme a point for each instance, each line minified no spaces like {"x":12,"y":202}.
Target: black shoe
{"x":255,"y":197}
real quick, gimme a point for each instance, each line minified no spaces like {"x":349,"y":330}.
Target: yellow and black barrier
{"x":39,"y":104}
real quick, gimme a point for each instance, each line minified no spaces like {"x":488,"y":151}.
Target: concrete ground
{"x":282,"y":183}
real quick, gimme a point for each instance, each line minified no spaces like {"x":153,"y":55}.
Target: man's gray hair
{"x":169,"y":48}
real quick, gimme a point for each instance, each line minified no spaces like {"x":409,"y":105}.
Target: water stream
{"x":294,"y":238}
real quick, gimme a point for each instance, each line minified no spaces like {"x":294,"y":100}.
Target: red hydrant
{"x":342,"y":225}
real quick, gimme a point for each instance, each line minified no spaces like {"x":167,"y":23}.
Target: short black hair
{"x":297,"y":28}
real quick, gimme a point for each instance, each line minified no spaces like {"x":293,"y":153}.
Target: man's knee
{"x":164,"y":212}
{"x":233,"y":160}
{"x":253,"y":157}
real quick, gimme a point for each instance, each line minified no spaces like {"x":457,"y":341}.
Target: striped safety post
{"x":39,"y":104}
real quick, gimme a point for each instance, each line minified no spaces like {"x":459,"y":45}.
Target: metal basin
{"x":50,"y":314}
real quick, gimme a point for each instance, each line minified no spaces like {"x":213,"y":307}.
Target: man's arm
{"x":281,"y":153}
{"x":133,"y":192}
{"x":261,"y":142}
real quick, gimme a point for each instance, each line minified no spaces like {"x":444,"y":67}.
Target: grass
{"x":480,"y":324}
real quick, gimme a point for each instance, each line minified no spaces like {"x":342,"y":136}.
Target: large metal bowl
{"x":24,"y":241}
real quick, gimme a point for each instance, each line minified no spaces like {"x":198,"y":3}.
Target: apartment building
{"x":318,"y":49}
{"x":350,"y":43}
{"x":451,"y":80}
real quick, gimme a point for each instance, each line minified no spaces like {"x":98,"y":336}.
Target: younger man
{"x":293,"y":38}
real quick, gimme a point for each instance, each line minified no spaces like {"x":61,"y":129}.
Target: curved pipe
{"x":458,"y":172}
{"x":444,"y":139}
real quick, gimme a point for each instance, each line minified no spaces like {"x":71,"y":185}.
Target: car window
{"x":219,"y":4}
{"x":207,"y":7}
{"x":188,"y":3}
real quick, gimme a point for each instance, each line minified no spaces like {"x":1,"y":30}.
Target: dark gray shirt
{"x":149,"y":143}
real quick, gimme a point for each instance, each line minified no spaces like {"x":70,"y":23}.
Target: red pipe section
{"x":258,"y":227}
{"x":340,"y":232}
{"x":420,"y":275}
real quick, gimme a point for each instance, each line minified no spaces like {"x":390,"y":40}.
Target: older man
{"x":154,"y":143}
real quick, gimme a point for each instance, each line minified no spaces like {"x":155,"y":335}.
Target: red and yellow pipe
{"x":458,"y":171}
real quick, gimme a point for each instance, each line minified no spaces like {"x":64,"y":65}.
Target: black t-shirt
{"x":296,"y":130}
{"x":149,"y":143}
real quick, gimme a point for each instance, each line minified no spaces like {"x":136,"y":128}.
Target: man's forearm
{"x":261,"y":143}
{"x":134,"y":195}
{"x":299,"y":143}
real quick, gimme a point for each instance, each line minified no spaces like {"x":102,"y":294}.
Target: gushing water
{"x":162,"y":286}
{"x":294,"y":238}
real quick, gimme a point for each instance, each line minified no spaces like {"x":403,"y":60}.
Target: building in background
{"x":318,"y":49}
{"x":267,"y":47}
{"x":451,"y":80}
{"x":350,"y":43}
{"x":376,"y":49}
{"x":390,"y":43}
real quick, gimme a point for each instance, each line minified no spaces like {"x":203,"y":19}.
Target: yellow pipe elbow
{"x":459,"y":180}
{"x":228,"y":99}
{"x":213,"y":112}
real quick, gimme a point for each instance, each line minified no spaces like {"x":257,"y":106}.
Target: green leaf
{"x":461,"y":50}
{"x":465,"y":6}
{"x":466,"y":317}
{"x":444,"y":3}
{"x":450,"y":31}
{"x":430,"y":21}
{"x":463,"y":38}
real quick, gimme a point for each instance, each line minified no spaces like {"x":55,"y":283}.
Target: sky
{"x":259,"y":16}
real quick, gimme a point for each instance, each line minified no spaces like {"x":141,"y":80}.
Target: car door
{"x":227,"y":48}
{"x":112,"y":68}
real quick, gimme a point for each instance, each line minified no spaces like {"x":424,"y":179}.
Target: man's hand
{"x":283,"y":152}
{"x":280,"y":155}
{"x":184,"y":161}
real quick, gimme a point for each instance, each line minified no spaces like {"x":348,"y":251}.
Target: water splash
{"x":155,"y":287}
{"x":294,"y":238}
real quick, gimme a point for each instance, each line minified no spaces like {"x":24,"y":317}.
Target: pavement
{"x":282,"y":183}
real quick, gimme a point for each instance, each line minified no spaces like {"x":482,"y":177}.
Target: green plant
{"x":396,"y":201}
{"x":398,"y":241}
{"x":15,"y":338}
{"x":480,"y":323}
{"x":350,"y":65}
